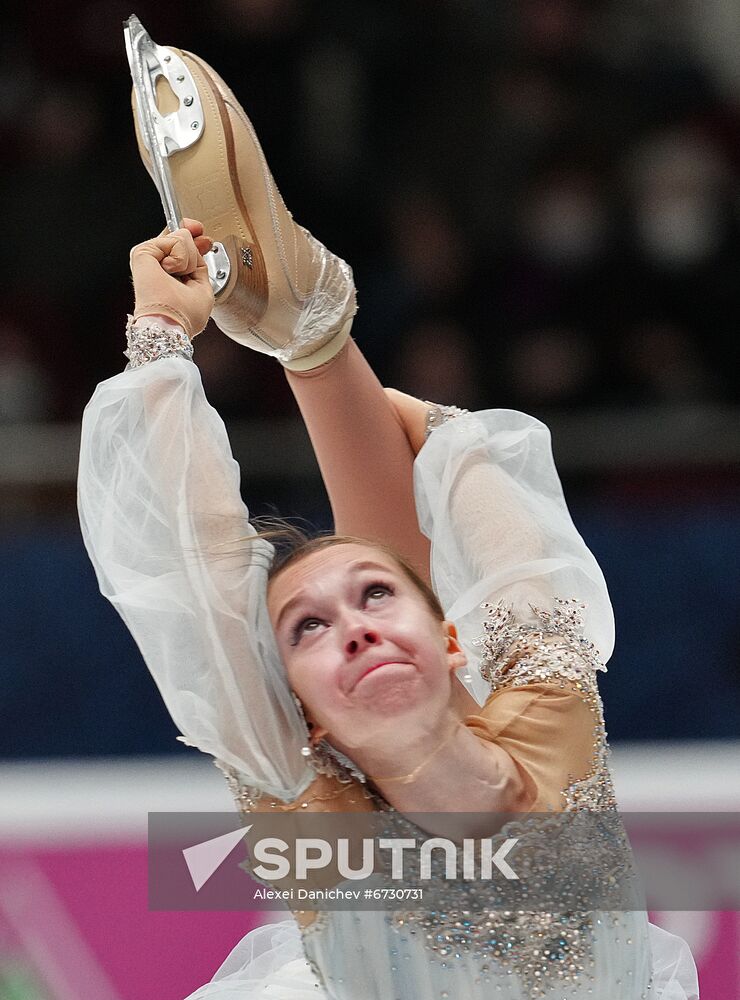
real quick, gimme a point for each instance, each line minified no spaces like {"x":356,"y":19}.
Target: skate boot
{"x":277,"y":289}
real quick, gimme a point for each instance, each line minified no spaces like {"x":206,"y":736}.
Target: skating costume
{"x":174,"y":551}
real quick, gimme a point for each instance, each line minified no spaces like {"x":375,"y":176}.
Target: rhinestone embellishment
{"x":438,"y":415}
{"x":542,"y":949}
{"x":150,"y":342}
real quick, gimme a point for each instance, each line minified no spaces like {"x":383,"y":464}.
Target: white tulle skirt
{"x":269,"y":964}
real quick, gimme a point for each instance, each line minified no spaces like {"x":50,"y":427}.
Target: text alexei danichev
{"x":287,"y":895}
{"x":319,"y":895}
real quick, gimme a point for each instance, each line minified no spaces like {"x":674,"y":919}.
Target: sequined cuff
{"x":553,"y":649}
{"x":148,"y":341}
{"x":438,"y":415}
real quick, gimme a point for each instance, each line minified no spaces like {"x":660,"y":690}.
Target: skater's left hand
{"x":171,"y":277}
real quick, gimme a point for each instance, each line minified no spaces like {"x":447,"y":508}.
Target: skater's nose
{"x":358,"y":636}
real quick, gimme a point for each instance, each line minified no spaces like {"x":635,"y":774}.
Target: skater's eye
{"x":376,"y":592}
{"x":304,"y":625}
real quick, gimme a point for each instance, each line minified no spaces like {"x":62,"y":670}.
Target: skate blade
{"x":166,"y":134}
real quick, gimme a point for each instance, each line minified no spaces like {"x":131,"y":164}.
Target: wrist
{"x":157,"y":310}
{"x":149,"y":340}
{"x":159,"y":319}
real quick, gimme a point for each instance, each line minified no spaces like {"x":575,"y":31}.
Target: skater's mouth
{"x":377,"y":666}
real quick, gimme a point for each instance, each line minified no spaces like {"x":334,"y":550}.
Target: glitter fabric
{"x":246,"y":797}
{"x":539,"y":948}
{"x":554,"y":651}
{"x":150,"y":342}
{"x":543,"y":949}
{"x":438,"y":415}
{"x":329,"y":792}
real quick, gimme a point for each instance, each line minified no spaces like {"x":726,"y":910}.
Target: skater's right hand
{"x":171,"y":277}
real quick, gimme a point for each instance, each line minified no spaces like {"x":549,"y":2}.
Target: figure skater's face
{"x":361,"y":646}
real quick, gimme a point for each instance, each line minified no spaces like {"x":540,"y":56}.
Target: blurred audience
{"x":558,"y":177}
{"x":540,"y":203}
{"x":439,"y":360}
{"x":24,"y":386}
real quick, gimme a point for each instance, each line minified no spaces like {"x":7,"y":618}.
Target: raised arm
{"x":170,"y":539}
{"x":489,"y":498}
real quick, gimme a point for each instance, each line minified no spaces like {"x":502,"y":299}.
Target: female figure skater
{"x":340,"y":680}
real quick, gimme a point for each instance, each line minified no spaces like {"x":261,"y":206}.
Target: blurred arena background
{"x":541,"y":202}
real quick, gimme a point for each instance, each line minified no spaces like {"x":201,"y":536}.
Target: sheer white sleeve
{"x":173,"y":550}
{"x":489,"y":498}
